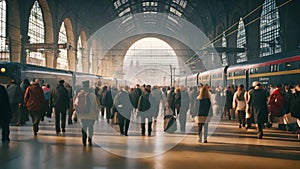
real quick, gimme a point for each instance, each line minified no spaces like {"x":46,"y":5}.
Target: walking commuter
{"x":15,"y":101}
{"x":171,"y":100}
{"x":5,"y":114}
{"x":156,"y":97}
{"x":228,"y":101}
{"x":144,"y":110}
{"x":184,"y":106}
{"x":124,"y":108}
{"x":87,"y":109}
{"x":258,"y":103}
{"x":70,"y":108}
{"x":60,"y":100}
{"x":203,"y":114}
{"x":135,"y":95}
{"x":48,"y":108}
{"x":107,"y":102}
{"x":35,"y":102}
{"x":24,"y":112}
{"x":276,"y":106}
{"x":239,"y":103}
{"x":193,"y":93}
{"x":295,"y":105}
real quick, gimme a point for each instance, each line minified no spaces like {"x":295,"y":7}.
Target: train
{"x":280,"y":68}
{"x":18,"y":72}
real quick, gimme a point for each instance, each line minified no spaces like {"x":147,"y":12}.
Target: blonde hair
{"x":203,"y":93}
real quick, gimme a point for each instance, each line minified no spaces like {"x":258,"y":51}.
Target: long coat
{"x":258,"y":103}
{"x":5,"y":113}
{"x":59,"y":97}
{"x":34,"y":98}
{"x":295,"y":105}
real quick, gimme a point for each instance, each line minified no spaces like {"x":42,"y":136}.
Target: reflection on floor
{"x":227,"y":147}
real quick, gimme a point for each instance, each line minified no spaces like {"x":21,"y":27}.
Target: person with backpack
{"x":87,"y":108}
{"x":239,"y":103}
{"x":59,"y":99}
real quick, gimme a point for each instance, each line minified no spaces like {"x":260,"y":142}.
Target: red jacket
{"x":34,"y":98}
{"x":276,"y":103}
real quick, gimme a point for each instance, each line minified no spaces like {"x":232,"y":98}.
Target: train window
{"x":271,"y":68}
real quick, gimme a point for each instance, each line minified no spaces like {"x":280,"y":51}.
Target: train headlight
{"x":2,"y":70}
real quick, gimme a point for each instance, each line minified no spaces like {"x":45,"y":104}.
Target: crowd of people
{"x":259,"y":105}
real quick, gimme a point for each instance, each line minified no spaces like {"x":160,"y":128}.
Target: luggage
{"x":170,"y":125}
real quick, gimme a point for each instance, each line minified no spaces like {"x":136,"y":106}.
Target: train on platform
{"x":18,"y":72}
{"x":280,"y":68}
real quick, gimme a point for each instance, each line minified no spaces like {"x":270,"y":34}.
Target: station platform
{"x":228,"y":147}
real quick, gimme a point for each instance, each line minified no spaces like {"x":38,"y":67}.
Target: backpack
{"x":82,"y":103}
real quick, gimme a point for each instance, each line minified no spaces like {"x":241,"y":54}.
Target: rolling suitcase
{"x":170,"y":125}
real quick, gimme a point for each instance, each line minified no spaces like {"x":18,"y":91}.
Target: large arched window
{"x":270,"y":40}
{"x":224,"y":56}
{"x":36,"y":32}
{"x":150,"y":60}
{"x":241,"y":41}
{"x":4,"y":52}
{"x":62,"y":60}
{"x":79,"y":55}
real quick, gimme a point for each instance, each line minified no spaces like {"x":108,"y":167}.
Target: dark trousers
{"x":242,"y":117}
{"x":60,"y":119}
{"x":123,"y":122}
{"x":70,"y":114}
{"x":143,"y":125}
{"x":200,"y":126}
{"x":36,"y":117}
{"x":87,"y":127}
{"x":4,"y":124}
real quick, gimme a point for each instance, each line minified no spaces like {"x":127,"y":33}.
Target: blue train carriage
{"x":281,"y":68}
{"x":19,"y":72}
{"x":214,"y":77}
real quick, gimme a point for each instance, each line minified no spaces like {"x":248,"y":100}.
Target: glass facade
{"x":270,"y":40}
{"x":4,"y":51}
{"x":241,"y":41}
{"x":36,"y":32}
{"x":62,"y":60}
{"x":224,"y":56}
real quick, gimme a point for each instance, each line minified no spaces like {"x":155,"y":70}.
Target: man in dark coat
{"x":258,"y":103}
{"x":5,"y":114}
{"x":15,"y":101}
{"x":144,"y":110}
{"x":295,"y":103}
{"x":135,"y":95}
{"x":107,"y":102}
{"x":60,"y":100}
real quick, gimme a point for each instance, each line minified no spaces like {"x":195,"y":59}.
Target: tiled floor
{"x":227,"y":147}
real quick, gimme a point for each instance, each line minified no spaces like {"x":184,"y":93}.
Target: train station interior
{"x":175,"y":43}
